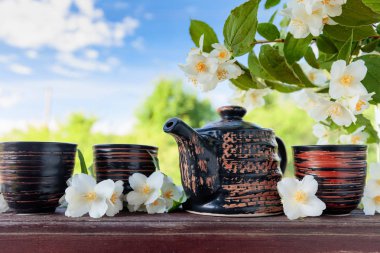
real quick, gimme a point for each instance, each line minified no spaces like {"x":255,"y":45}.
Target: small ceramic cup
{"x":340,"y":171}
{"x":119,"y":161}
{"x":33,"y":174}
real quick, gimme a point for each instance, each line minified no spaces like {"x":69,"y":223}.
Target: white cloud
{"x":58,"y":69}
{"x":84,"y":64}
{"x":20,"y":69}
{"x":91,"y":54}
{"x":138,"y":44}
{"x":33,"y":24}
{"x":5,"y":59}
{"x":31,"y":54}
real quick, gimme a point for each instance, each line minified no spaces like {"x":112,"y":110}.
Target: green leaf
{"x":271,"y":20}
{"x":282,"y":87}
{"x":268,"y":31}
{"x":276,"y":66}
{"x":326,"y":45}
{"x":372,"y":79}
{"x":301,"y":75}
{"x":255,"y":67}
{"x":271,"y":3}
{"x":197,"y":28}
{"x":247,"y":81}
{"x":311,"y":59}
{"x":326,"y":60}
{"x":374,"y":5}
{"x":363,"y":121}
{"x":356,"y":13}
{"x":83,"y":167}
{"x":240,"y":28}
{"x":295,"y":49}
{"x":91,"y":170}
{"x":371,"y":46}
{"x":341,"y":33}
{"x":345,"y":51}
{"x":155,"y":160}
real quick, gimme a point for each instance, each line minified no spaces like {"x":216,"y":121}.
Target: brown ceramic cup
{"x":33,"y":175}
{"x":119,"y":161}
{"x":340,"y":171}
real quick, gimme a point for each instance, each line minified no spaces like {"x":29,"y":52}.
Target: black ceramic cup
{"x":340,"y":171}
{"x":120,"y":161}
{"x":33,"y":175}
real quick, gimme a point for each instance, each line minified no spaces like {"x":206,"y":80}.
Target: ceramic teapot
{"x":229,"y":167}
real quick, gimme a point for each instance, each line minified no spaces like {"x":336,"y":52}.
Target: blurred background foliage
{"x":171,"y":99}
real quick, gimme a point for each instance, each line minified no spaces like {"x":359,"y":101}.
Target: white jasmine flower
{"x":358,"y":104}
{"x":200,"y":68}
{"x":298,"y":197}
{"x":145,"y":190}
{"x":170,"y":192}
{"x":254,"y":98}
{"x":306,"y":99}
{"x":346,"y":80}
{"x":303,"y":23}
{"x":323,"y":133}
{"x":114,"y":202}
{"x":132,"y":208}
{"x":220,"y":52}
{"x":228,"y":70}
{"x":316,"y":76}
{"x":377,"y":116}
{"x":333,"y":8}
{"x":371,"y":197}
{"x":357,"y":137}
{"x":340,"y":114}
{"x":307,"y":4}
{"x":3,"y":204}
{"x":157,"y":206}
{"x":84,"y":195}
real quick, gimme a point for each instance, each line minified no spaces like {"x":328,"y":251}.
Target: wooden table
{"x":184,"y":232}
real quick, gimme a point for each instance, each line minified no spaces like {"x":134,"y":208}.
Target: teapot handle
{"x":282,"y":154}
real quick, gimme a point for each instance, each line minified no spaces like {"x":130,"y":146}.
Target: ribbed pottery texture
{"x":119,"y":161}
{"x":33,"y":175}
{"x":340,"y":171}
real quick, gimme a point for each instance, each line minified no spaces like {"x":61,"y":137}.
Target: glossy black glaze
{"x":230,"y":166}
{"x":33,"y":175}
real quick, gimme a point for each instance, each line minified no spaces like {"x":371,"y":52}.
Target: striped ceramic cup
{"x":340,"y":171}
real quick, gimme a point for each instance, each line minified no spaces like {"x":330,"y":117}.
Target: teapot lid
{"x":232,"y":118}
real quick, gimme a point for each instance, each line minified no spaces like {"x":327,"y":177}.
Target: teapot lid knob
{"x":232,"y":112}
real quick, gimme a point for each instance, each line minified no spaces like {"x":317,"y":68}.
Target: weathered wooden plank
{"x":183,"y":232}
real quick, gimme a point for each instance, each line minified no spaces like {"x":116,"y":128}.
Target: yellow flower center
{"x":325,"y":20}
{"x":91,"y":196}
{"x":378,"y":181}
{"x":359,"y":105}
{"x":312,"y":76}
{"x":155,"y":203}
{"x":146,"y":189}
{"x":168,"y":194}
{"x":377,"y":199}
{"x":222,"y":74}
{"x":346,"y":80}
{"x":201,"y":67}
{"x":114,"y":198}
{"x":326,"y":2}
{"x":355,"y":139}
{"x":300,"y":197}
{"x":335,"y":110}
{"x":222,"y":54}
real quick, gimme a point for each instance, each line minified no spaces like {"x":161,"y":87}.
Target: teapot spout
{"x":178,"y":128}
{"x":198,"y":161}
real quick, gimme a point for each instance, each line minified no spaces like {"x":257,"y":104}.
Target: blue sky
{"x":95,"y":56}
